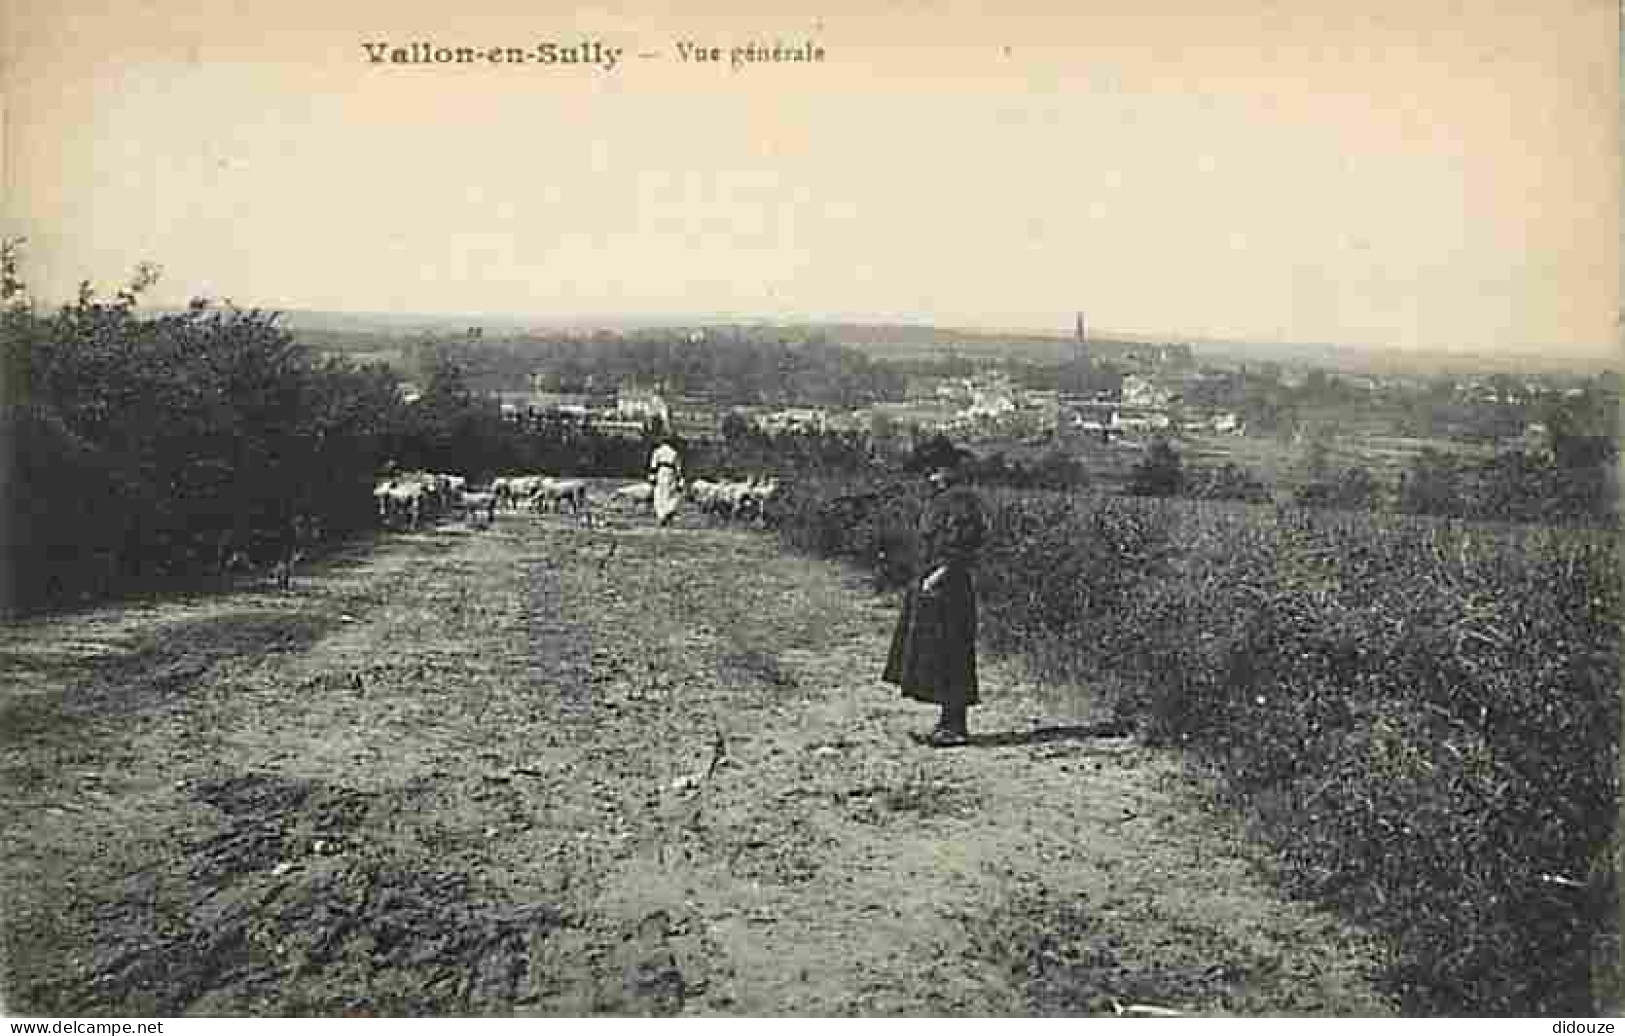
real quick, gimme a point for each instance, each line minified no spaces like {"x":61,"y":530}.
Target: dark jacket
{"x":933,"y":651}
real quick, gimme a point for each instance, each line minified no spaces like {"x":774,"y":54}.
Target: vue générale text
{"x":775,"y":53}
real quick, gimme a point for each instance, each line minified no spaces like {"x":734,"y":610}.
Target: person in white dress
{"x":666,"y":472}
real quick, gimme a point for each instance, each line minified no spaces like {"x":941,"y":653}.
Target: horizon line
{"x":1060,"y":334}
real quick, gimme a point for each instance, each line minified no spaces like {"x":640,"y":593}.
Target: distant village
{"x":1118,"y":393}
{"x":982,"y":404}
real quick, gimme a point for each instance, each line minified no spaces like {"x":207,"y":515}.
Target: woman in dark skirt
{"x":933,"y":652}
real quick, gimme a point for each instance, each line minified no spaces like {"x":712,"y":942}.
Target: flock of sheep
{"x":752,"y":498}
{"x":410,"y":498}
{"x":407,"y":499}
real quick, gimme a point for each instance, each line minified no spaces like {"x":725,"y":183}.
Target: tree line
{"x":738,"y":366}
{"x":143,"y":447}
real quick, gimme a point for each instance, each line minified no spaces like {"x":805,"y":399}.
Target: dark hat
{"x":936,"y":454}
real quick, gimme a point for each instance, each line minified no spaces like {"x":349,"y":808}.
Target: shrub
{"x":143,"y":441}
{"x":1432,"y":485}
{"x":1159,"y":473}
{"x":1350,"y":489}
{"x":1228,"y":482}
{"x":1422,"y":715}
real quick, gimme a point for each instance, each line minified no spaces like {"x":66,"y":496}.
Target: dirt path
{"x":544,"y":770}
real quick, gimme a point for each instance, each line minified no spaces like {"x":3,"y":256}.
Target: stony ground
{"x":542,"y":769}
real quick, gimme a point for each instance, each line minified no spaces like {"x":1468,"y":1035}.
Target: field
{"x":1282,"y":465}
{"x":547,"y":770}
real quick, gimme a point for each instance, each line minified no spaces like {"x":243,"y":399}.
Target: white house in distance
{"x":1227,"y":423}
{"x":1155,"y":422}
{"x":980,"y":398}
{"x":795,"y":419}
{"x":568,"y":404}
{"x":990,"y":403}
{"x":639,"y":404}
{"x":1143,"y":392}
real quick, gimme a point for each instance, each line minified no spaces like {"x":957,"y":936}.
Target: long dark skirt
{"x":933,"y":651}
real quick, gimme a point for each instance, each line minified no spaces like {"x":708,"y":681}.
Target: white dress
{"x":667,"y":469}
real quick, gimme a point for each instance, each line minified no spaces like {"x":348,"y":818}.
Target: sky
{"x":1404,"y":174}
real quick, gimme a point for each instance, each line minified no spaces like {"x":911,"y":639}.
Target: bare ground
{"x":546,"y":770}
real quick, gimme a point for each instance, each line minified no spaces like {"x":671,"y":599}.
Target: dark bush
{"x":1159,"y":473}
{"x":1421,"y":715}
{"x":1349,"y":489}
{"x":143,"y":447}
{"x":1227,"y":482}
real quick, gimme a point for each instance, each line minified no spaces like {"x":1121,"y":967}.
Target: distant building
{"x":1536,"y":440}
{"x":564,"y":402}
{"x":847,"y":421}
{"x":795,"y":419}
{"x":989,"y":405}
{"x":1121,"y":422}
{"x":917,"y":389}
{"x":1142,"y":392}
{"x":1163,"y":355}
{"x":512,"y":402}
{"x":637,"y":404}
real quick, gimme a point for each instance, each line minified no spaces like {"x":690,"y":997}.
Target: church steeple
{"x":1080,"y":345}
{"x":1075,"y":376}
